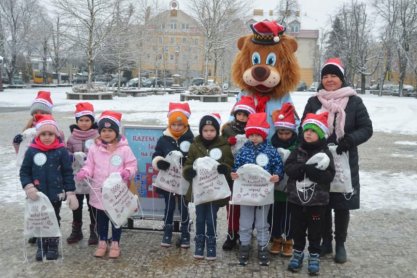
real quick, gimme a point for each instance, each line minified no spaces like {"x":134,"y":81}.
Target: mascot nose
{"x":260,"y":73}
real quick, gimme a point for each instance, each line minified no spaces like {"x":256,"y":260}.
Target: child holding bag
{"x":82,"y":136}
{"x":177,"y":137}
{"x":47,"y":168}
{"x":110,"y":153}
{"x":208,"y":143}
{"x":310,"y":169}
{"x":256,"y":151}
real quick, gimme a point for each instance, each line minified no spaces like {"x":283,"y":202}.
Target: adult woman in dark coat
{"x":349,"y":126}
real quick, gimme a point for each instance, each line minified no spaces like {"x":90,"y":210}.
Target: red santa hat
{"x":182,"y":107}
{"x":318,"y":123}
{"x":285,"y":117}
{"x":110,"y":119}
{"x":333,"y":66}
{"x":84,"y":109}
{"x":246,"y":104}
{"x":267,"y":32}
{"x":257,"y":124}
{"x":46,"y":123}
{"x":42,"y":102}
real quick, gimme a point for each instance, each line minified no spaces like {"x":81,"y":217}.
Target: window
{"x":171,"y":57}
{"x":173,"y":25}
{"x":184,"y":40}
{"x":172,"y":40}
{"x":294,"y":27}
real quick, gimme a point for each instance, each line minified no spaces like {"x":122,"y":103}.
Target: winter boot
{"x":244,"y":254}
{"x":101,"y":249}
{"x":185,"y":237}
{"x":263,"y":256}
{"x":314,"y":264}
{"x":296,"y":262}
{"x":211,"y":248}
{"x":167,"y":238}
{"x":32,"y":240}
{"x":231,"y":241}
{"x":340,"y":256}
{"x":199,"y":246}
{"x":287,"y":248}
{"x":114,"y":252}
{"x":42,"y":248}
{"x":52,"y":253}
{"x":93,"y":239}
{"x":326,"y":248}
{"x":276,"y":247}
{"x":76,"y":234}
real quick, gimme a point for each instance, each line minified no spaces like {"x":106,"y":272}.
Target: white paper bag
{"x":342,"y":182}
{"x":241,"y":139}
{"x":27,"y":137}
{"x":208,"y":185}
{"x":282,"y":184}
{"x":253,"y":187}
{"x":81,"y":187}
{"x":172,"y":180}
{"x":118,"y":202}
{"x":40,"y":218}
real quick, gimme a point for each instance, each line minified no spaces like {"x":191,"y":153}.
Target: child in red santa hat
{"x":257,"y":132}
{"x":82,"y":137}
{"x":47,"y":168}
{"x":110,"y":153}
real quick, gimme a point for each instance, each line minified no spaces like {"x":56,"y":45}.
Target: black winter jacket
{"x":358,"y":126}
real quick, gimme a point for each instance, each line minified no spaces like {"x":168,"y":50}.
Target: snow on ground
{"x":389,"y":114}
{"x":378,"y":189}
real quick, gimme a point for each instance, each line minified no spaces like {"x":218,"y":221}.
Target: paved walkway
{"x":381,"y":243}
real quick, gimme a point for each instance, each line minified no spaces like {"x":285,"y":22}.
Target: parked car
{"x":159,"y":82}
{"x":302,"y":86}
{"x":197,"y":81}
{"x":314,"y":86}
{"x":115,"y":81}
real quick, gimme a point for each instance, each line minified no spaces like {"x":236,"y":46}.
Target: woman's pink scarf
{"x":335,"y":102}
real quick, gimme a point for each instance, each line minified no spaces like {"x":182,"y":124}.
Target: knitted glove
{"x":162,"y":165}
{"x":320,"y":160}
{"x":284,"y":153}
{"x":232,"y":140}
{"x":222,"y":169}
{"x":31,"y":192}
{"x":81,"y":175}
{"x":190,"y":174}
{"x":80,"y":157}
{"x":313,"y":173}
{"x":18,"y":139}
{"x":125,"y":174}
{"x":72,"y":200}
{"x":344,"y":144}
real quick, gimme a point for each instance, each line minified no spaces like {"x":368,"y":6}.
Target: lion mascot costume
{"x":266,"y":67}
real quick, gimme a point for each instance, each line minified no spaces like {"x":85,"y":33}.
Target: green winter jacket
{"x":197,"y":150}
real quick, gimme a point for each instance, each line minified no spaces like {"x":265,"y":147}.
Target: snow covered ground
{"x":378,"y":189}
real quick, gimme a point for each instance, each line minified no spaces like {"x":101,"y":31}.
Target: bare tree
{"x":286,"y":10}
{"x":216,"y":19}
{"x":60,"y":49}
{"x":16,"y":21}
{"x":89,"y":21}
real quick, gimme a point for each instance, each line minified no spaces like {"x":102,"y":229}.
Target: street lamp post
{"x":1,"y":74}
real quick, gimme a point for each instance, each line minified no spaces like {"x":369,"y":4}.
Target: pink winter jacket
{"x":101,"y":163}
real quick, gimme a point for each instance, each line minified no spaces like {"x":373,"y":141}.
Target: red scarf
{"x":261,"y":103}
{"x":37,"y":144}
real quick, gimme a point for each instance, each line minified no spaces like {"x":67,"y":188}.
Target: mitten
{"x":321,"y":160}
{"x":80,"y":157}
{"x":222,"y":169}
{"x":344,"y":144}
{"x":313,"y":173}
{"x":31,"y":192}
{"x":162,"y":165}
{"x":18,"y":139}
{"x":190,"y":173}
{"x":232,"y":140}
{"x":125,"y":174}
{"x":72,"y":200}
{"x":284,"y":153}
{"x":81,"y":175}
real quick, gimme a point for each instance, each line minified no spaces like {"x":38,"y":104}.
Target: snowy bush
{"x":205,"y":90}
{"x":88,"y":89}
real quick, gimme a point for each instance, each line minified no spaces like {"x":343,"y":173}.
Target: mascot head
{"x":266,"y":63}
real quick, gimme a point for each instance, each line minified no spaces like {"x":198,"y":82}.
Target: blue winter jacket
{"x":248,"y":153}
{"x":53,"y":177}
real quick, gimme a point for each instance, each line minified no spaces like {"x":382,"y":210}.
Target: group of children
{"x":300,"y":197}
